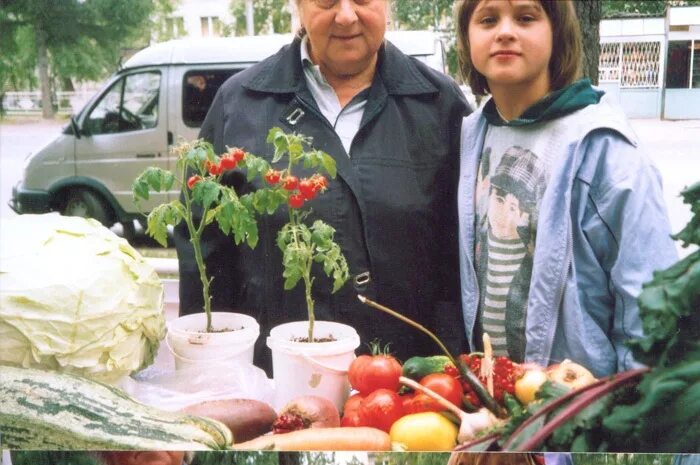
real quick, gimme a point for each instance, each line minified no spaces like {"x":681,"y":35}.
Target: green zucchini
{"x":50,"y":410}
{"x":418,"y":367}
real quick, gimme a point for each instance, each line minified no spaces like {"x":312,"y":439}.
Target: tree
{"x":589,"y":15}
{"x":419,"y":14}
{"x":78,"y":39}
{"x":270,"y":17}
{"x":622,"y":8}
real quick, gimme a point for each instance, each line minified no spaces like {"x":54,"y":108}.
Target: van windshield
{"x":199,"y":88}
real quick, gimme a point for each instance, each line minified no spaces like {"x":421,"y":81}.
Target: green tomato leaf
{"x":164,"y":215}
{"x":328,"y":164}
{"x":206,"y":192}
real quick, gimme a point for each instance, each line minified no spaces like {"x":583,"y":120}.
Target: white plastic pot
{"x":318,"y":368}
{"x":191,"y":345}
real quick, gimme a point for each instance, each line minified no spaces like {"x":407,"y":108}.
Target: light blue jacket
{"x":602,"y":231}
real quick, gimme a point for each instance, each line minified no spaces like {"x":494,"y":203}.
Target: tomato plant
{"x":381,"y":409}
{"x":368,"y":373}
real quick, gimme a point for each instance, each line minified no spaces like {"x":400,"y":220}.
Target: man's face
{"x":344,"y":34}
{"x":505,"y":214}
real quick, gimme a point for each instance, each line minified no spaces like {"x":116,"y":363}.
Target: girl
{"x":561,"y":216}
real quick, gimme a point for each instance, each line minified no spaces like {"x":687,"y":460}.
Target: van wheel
{"x":83,"y":203}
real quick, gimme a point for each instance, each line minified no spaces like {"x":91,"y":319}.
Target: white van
{"x":161,"y":94}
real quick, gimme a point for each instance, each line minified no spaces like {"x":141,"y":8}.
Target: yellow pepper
{"x":426,"y":431}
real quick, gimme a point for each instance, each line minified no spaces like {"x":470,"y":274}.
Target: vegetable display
{"x":75,"y":297}
{"x":41,"y":409}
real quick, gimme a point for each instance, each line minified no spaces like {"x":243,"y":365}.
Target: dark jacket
{"x":393,"y":204}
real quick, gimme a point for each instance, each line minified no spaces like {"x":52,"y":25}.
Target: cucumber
{"x":418,"y":367}
{"x":50,"y":410}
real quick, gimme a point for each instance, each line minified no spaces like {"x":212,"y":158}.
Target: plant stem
{"x":479,"y":389}
{"x":309,"y":305}
{"x":195,"y":234}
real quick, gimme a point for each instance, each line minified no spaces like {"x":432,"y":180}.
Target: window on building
{"x":696,"y":65}
{"x":683,"y":68}
{"x":632,"y":64}
{"x":199,"y":88}
{"x":211,"y":26}
{"x":678,"y":64}
{"x":175,"y":26}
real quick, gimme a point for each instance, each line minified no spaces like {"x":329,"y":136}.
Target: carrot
{"x":341,"y":438}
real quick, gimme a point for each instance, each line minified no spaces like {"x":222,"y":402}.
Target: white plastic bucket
{"x":191,"y":345}
{"x":318,"y":368}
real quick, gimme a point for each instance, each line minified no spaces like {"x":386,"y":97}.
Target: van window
{"x":131,"y":104}
{"x":199,"y":90}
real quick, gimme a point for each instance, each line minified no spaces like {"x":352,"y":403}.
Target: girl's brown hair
{"x":567,"y":51}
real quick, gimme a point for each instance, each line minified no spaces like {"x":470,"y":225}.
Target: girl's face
{"x":510,"y":43}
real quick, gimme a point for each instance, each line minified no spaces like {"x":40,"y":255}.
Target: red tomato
{"x":193,"y":181}
{"x":319,"y":181}
{"x":445,"y":385}
{"x":237,"y":154}
{"x":272,"y":176}
{"x":352,"y":418}
{"x":227,"y":163}
{"x":353,"y":403}
{"x":295,"y":201}
{"x":368,"y":373}
{"x":381,"y":409}
{"x":307,"y":189}
{"x":421,"y":403}
{"x":290,"y":183}
{"x":213,"y":168}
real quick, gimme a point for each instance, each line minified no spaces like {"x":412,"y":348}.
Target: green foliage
{"x":419,"y":14}
{"x":52,"y":457}
{"x":664,"y":416}
{"x":669,"y":303}
{"x":664,"y":419}
{"x":301,"y":245}
{"x":235,"y":458}
{"x":413,"y":458}
{"x":269,"y":17}
{"x":203,"y":200}
{"x":84,"y":38}
{"x":622,"y":8}
{"x":622,"y":459}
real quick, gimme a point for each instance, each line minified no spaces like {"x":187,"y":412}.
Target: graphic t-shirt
{"x":516,"y":160}
{"x":512,"y":179}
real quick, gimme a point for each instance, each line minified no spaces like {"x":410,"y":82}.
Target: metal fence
{"x":632,"y":64}
{"x":29,"y":102}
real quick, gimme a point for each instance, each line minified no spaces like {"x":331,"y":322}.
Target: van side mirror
{"x":75,"y":129}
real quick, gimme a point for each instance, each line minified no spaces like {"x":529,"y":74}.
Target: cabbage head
{"x":75,"y":297}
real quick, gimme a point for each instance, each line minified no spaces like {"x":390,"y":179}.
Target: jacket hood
{"x":282,"y":72}
{"x":559,"y":103}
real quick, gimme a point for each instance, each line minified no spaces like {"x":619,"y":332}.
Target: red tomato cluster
{"x":227,"y":162}
{"x":300,"y":191}
{"x":378,"y":403}
{"x":504,"y":377}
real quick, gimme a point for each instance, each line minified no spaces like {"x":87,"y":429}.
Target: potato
{"x":246,"y":418}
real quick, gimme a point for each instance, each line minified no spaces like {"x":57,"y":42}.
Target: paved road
{"x":673,"y":145}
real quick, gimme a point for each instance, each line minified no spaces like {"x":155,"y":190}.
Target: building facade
{"x":652,"y":65}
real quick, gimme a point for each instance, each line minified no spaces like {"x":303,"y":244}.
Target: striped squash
{"x":50,"y":410}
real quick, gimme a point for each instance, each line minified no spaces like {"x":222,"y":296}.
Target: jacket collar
{"x":282,"y":73}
